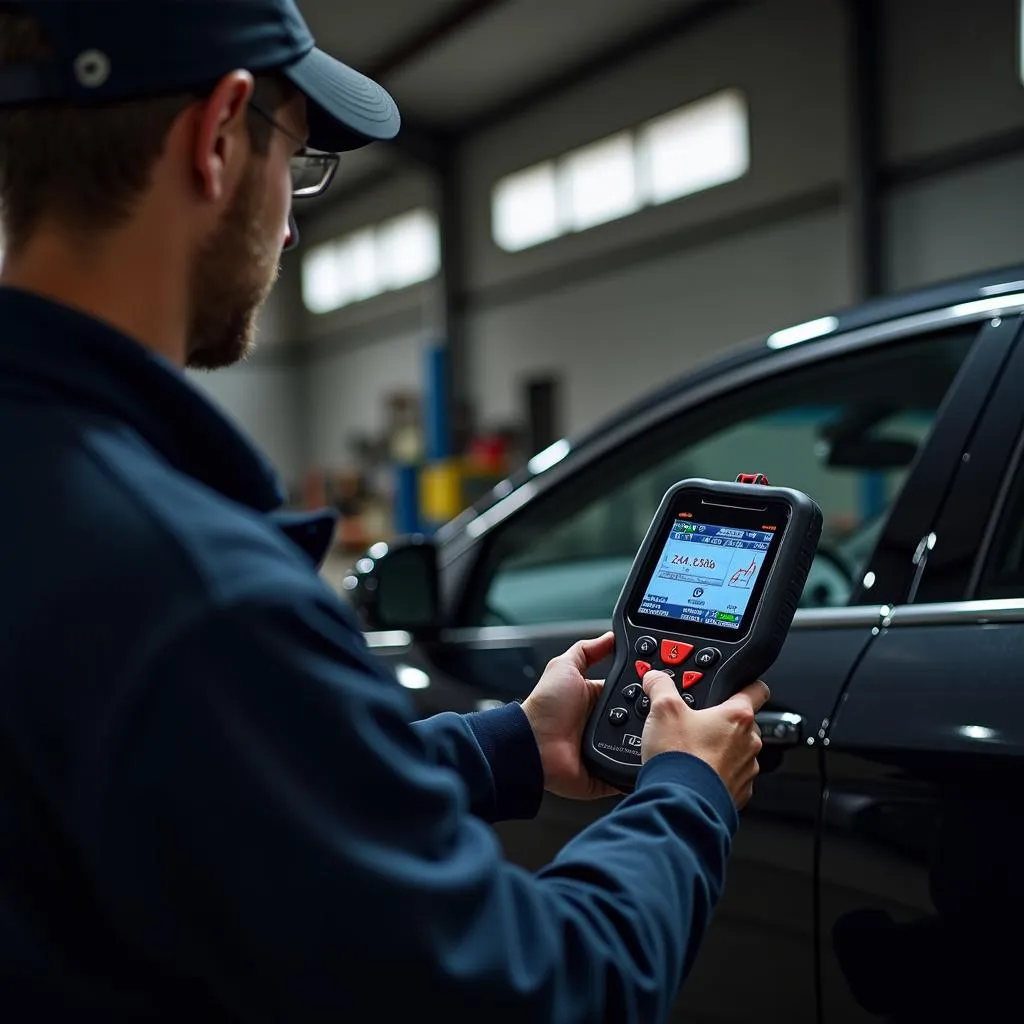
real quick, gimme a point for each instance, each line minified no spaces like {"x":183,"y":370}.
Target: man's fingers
{"x":751,"y":698}
{"x":759,"y":694}
{"x":585,"y":653}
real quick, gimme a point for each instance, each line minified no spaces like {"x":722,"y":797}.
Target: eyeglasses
{"x":312,"y":171}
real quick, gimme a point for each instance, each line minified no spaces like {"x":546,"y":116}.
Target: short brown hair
{"x":86,"y":166}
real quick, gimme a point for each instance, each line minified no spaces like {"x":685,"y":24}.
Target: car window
{"x":1003,"y":573}
{"x":845,"y":430}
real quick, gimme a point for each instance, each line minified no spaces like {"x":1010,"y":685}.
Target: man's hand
{"x":725,"y":736}
{"x":558,"y":709}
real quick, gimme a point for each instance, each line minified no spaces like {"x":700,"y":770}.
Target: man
{"x":214,"y":803}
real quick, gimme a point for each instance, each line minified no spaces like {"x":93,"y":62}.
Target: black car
{"x":877,"y":871}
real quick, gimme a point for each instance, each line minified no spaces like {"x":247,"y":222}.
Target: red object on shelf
{"x":488,"y":452}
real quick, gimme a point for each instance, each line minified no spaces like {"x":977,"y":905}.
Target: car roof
{"x":874,"y":312}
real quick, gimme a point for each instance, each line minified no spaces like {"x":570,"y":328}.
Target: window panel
{"x":703,"y":145}
{"x":525,"y":208}
{"x":322,"y":280}
{"x":845,"y":430}
{"x":359,"y":266}
{"x":396,"y":254}
{"x":598,"y":183}
{"x":409,"y":249}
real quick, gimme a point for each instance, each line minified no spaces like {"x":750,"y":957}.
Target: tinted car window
{"x":845,"y":430}
{"x":1003,"y":574}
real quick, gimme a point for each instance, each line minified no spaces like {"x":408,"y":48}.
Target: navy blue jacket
{"x":214,"y":801}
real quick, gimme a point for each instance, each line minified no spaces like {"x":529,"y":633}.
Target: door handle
{"x":780,"y":728}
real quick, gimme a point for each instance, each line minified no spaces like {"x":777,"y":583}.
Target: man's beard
{"x":233,"y":276}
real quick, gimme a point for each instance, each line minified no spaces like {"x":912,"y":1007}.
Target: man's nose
{"x":291,"y":238}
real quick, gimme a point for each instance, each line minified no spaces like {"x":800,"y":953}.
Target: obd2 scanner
{"x":709,"y":599}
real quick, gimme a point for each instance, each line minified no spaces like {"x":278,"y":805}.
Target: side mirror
{"x":396,"y":585}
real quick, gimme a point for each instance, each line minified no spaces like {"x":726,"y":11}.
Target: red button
{"x":642,"y":668}
{"x":673,"y":653}
{"x":691,"y":679}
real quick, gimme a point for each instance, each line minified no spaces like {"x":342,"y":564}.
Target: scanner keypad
{"x":664,"y":655}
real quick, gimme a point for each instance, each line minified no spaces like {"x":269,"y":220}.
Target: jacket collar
{"x":50,"y":349}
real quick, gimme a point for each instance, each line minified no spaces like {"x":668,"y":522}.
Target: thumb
{"x":660,"y":687}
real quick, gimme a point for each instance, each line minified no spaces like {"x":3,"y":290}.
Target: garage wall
{"x":619,"y":308}
{"x":956,"y":223}
{"x":343,"y":390}
{"x":954,"y":138}
{"x":793,"y":89}
{"x":623,"y":332}
{"x":264,"y":401}
{"x":616,"y":309}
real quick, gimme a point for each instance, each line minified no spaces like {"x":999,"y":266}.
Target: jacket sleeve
{"x":495,"y":754}
{"x":262,"y":820}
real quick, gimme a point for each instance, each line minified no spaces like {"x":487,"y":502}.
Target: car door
{"x":847,"y":421}
{"x":921,"y":892}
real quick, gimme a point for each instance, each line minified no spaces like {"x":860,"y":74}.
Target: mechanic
{"x":214,"y":802}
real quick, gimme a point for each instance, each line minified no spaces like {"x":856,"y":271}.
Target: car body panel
{"x":921,"y":889}
{"x":921,"y":893}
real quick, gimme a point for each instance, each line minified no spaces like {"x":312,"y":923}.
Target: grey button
{"x":708,"y":656}
{"x":646,"y":645}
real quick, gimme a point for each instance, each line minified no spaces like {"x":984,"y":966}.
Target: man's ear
{"x":221,"y":142}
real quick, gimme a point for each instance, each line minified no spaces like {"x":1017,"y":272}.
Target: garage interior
{"x":844,"y":161}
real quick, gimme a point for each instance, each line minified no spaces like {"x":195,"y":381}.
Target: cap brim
{"x":347,"y":110}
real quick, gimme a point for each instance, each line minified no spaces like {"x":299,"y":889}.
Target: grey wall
{"x":953,"y":95}
{"x":794,"y":88}
{"x":628,"y":329}
{"x":618,"y":308}
{"x":264,"y":401}
{"x":957,"y":223}
{"x":343,"y":389}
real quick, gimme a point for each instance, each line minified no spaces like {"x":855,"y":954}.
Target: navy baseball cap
{"x":111,"y":50}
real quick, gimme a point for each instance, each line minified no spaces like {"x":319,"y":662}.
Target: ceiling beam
{"x":695,"y":15}
{"x":426,"y":38}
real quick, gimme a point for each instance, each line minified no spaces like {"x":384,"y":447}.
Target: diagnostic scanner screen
{"x":706,"y":573}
